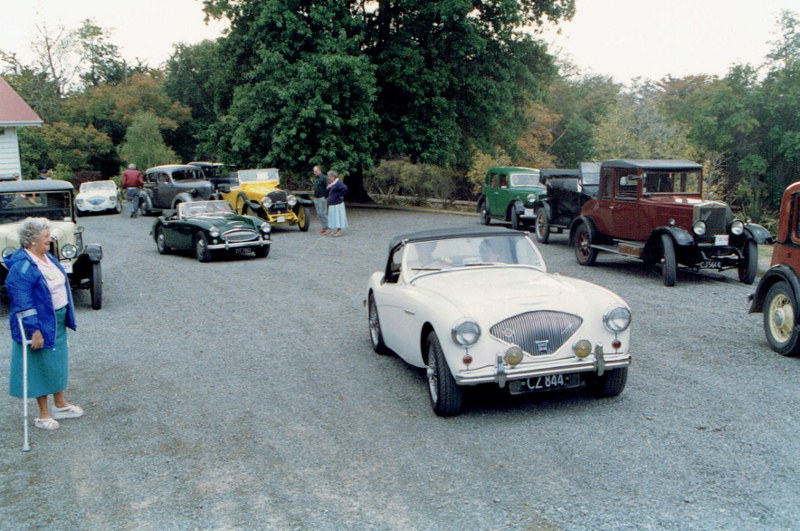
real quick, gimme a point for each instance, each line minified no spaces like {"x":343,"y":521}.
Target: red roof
{"x":13,"y":109}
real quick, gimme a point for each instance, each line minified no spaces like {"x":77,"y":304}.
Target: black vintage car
{"x":567,"y":191}
{"x":171,"y":184}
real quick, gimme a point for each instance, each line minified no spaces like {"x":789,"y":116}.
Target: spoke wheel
{"x":748,"y":263}
{"x":669,"y":265}
{"x":201,"y":250}
{"x":446,"y":396}
{"x":780,"y":320}
{"x":375,"y":334}
{"x":161,"y":242}
{"x":542,"y":227}
{"x":584,"y":252}
{"x":303,"y":218}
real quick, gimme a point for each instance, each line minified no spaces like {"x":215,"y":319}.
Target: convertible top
{"x":653,"y":164}
{"x":452,"y":232}
{"x":35,"y":185}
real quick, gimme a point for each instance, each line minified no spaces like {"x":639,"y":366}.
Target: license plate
{"x":528,"y":211}
{"x":710,"y":264}
{"x":544,"y":383}
{"x":281,"y":219}
{"x":721,"y":239}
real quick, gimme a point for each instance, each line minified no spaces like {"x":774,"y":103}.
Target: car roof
{"x":652,"y":164}
{"x":35,"y":185}
{"x":452,"y":232}
{"x":172,"y":167}
{"x":512,"y":169}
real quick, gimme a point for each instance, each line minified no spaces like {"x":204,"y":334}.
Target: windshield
{"x":55,"y":206}
{"x":185,"y":175}
{"x":525,"y":179}
{"x":204,"y":208}
{"x":97,"y":185}
{"x":265,"y":175}
{"x":668,"y":182}
{"x":590,"y":173}
{"x":452,"y":253}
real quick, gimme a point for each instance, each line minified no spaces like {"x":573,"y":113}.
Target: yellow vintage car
{"x":257,"y":192}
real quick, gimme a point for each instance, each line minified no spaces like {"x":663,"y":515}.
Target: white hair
{"x":30,"y":229}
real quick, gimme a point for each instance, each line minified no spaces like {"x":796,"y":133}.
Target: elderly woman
{"x":337,"y":216}
{"x":37,"y":281}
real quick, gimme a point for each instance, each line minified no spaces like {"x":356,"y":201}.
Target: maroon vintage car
{"x":778,"y":290}
{"x":654,"y":210}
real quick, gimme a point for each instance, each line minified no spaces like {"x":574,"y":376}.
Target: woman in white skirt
{"x":337,"y":217}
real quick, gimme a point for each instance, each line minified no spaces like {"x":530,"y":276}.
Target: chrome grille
{"x":278,"y":196}
{"x":715,"y":215}
{"x":537,"y":333}
{"x":239,"y":235}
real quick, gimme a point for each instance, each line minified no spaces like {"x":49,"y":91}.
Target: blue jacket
{"x":27,"y":288}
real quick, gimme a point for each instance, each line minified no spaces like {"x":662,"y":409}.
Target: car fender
{"x":147,"y":199}
{"x":760,"y":234}
{"x":775,"y":274}
{"x":183,"y":197}
{"x":481,"y":199}
{"x":517,"y":205}
{"x":576,"y":223}
{"x":94,"y":251}
{"x":304,"y":202}
{"x":548,"y":211}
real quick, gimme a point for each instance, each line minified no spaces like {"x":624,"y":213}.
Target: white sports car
{"x":477,"y":306}
{"x":98,"y":196}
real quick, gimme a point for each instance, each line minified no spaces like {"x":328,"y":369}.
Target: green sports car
{"x":209,"y":228}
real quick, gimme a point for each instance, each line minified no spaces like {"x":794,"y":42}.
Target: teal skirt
{"x":48,"y":370}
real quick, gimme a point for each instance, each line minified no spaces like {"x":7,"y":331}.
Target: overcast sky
{"x":621,"y":38}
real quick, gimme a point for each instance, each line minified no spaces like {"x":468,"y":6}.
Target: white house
{"x":14,"y":113}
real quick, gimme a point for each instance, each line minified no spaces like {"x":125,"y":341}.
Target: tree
{"x":144,"y":145}
{"x":103,"y":64}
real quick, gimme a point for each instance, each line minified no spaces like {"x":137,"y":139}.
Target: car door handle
{"x":408,"y":312}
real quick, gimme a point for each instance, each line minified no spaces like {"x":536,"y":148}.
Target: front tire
{"x":303,"y":218}
{"x":161,"y":244}
{"x":201,"y":250}
{"x":446,"y":396}
{"x":96,"y":286}
{"x":375,"y":333}
{"x":485,"y":217}
{"x":780,"y":316}
{"x":262,"y":252}
{"x":584,"y":252}
{"x":610,"y":384}
{"x":143,"y":208}
{"x":542,"y":227}
{"x":669,"y":265}
{"x":748,"y":264}
{"x":515,"y":224}
{"x":241,"y":205}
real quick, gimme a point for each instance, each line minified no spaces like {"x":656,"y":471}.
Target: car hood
{"x":96,"y":193}
{"x":259,"y":187}
{"x":497,"y":292}
{"x":225,"y":223}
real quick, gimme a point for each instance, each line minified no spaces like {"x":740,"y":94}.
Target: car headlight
{"x":292,"y":200}
{"x":466,"y":332}
{"x":8,"y":251}
{"x":69,"y":251}
{"x":112,"y":198}
{"x":617,"y":319}
{"x":699,"y":228}
{"x":265,"y":228}
{"x":214,"y":232}
{"x":737,"y":227}
{"x":266,"y":202}
{"x":531,"y":198}
{"x":79,"y":201}
{"x":513,"y":355}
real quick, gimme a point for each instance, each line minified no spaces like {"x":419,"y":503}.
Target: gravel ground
{"x":243,"y":394}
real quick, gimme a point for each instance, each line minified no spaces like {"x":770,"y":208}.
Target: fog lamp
{"x":467,"y":359}
{"x":214,"y":232}
{"x":582,"y":348}
{"x":69,"y":251}
{"x":513,"y":355}
{"x":737,"y":227}
{"x":699,"y":228}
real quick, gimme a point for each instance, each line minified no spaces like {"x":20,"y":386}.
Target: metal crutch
{"x":26,"y":447}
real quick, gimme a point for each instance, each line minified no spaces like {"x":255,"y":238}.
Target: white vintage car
{"x":477,"y":306}
{"x":98,"y":196}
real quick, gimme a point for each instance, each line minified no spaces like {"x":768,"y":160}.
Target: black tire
{"x":201,"y":250}
{"x":484,"y":210}
{"x":303,"y":218}
{"x":375,"y":333}
{"x":669,"y":265}
{"x":515,"y":223}
{"x":242,"y":206}
{"x":780,"y":320}
{"x":446,"y":396}
{"x":542,"y":226}
{"x":117,"y":207}
{"x":161,"y":245}
{"x":584,"y":253}
{"x":748,"y":265}
{"x":262,"y":252}
{"x":96,"y":286}
{"x":143,"y":208}
{"x":610,"y":384}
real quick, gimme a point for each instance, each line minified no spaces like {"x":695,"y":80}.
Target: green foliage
{"x":144,"y":145}
{"x":102,"y":59}
{"x":402,"y":177}
{"x":71,"y":148}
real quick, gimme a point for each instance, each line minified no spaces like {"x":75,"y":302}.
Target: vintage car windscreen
{"x":452,"y":253}
{"x":185,"y":175}
{"x":55,"y":206}
{"x":667,"y":182}
{"x":265,"y":175}
{"x":97,"y":185}
{"x":525,"y":179}
{"x":204,"y":208}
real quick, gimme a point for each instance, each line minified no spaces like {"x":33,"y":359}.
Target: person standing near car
{"x":132,"y":183}
{"x":36,"y":281}
{"x":321,"y":198}
{"x":337,"y":217}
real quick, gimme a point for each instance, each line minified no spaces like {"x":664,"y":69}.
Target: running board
{"x":626,"y":248}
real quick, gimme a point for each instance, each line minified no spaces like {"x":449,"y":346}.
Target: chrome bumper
{"x":501,"y":372}
{"x":238,"y":245}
